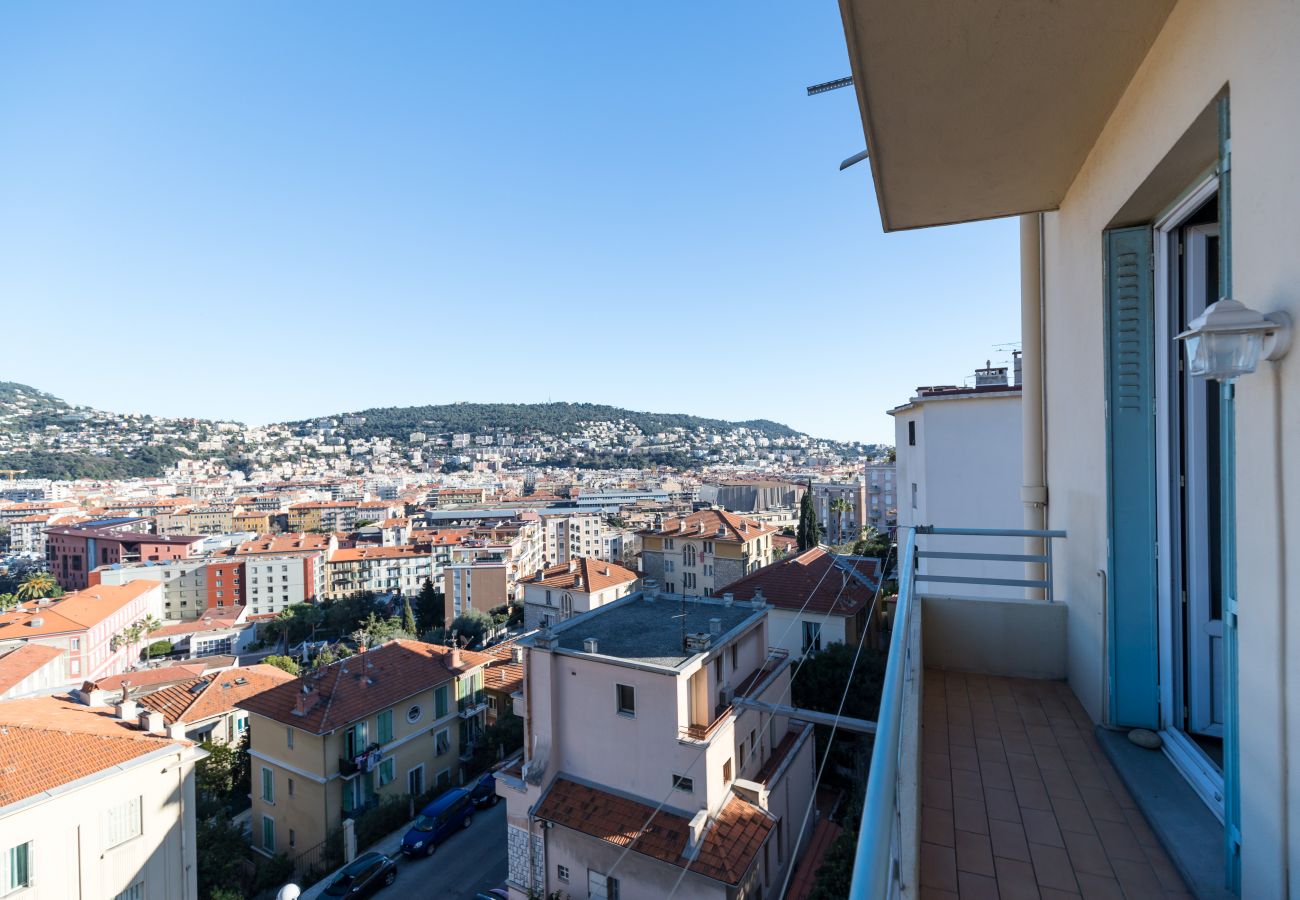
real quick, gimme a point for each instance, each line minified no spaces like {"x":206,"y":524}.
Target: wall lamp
{"x":1228,"y":339}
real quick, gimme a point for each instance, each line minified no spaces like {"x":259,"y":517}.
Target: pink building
{"x":74,"y":550}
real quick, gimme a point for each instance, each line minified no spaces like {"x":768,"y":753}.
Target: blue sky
{"x":267,"y":211}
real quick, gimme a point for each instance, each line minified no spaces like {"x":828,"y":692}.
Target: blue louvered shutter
{"x":1131,"y":433}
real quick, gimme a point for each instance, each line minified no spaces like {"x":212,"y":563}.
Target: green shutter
{"x":1131,"y":434}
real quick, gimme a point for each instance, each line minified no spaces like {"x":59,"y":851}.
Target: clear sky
{"x":267,"y":211}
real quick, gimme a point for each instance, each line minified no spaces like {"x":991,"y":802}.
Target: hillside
{"x":543,"y":418}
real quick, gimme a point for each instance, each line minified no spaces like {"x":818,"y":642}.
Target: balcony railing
{"x":704,"y":732}
{"x":471,"y":704}
{"x":878,"y":870}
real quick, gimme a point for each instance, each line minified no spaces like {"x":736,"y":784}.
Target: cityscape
{"x":598,"y":452}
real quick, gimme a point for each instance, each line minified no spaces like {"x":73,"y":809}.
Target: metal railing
{"x":877,"y":871}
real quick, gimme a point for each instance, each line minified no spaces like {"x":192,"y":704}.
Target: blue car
{"x":437,"y":821}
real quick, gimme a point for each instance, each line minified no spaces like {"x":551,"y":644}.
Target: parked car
{"x":363,"y":876}
{"x":437,"y":821}
{"x":494,"y":894}
{"x":484,"y":793}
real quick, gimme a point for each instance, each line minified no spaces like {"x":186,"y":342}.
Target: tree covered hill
{"x":546,"y":418}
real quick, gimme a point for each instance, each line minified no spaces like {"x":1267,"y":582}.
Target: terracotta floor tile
{"x":1054,"y":894}
{"x":1072,"y":815}
{"x":1016,"y":880}
{"x":1049,"y":757}
{"x":964,"y":758}
{"x":1101,"y":805}
{"x":974,"y":854}
{"x":1001,"y":804}
{"x":969,"y":815}
{"x":1141,"y":830}
{"x":1052,"y":867}
{"x":967,"y":784}
{"x":1008,"y":840}
{"x":1095,"y":887}
{"x":1087,"y":854}
{"x":937,"y":765}
{"x":1165,"y":872}
{"x":1041,"y":828}
{"x":995,"y":774}
{"x":1119,"y":841}
{"x":1060,"y":784}
{"x":977,"y":887}
{"x":929,"y":893}
{"x":1137,"y":879}
{"x":936,"y":793}
{"x":1031,"y":793}
{"x":961,"y":736}
{"x":938,"y":867}
{"x":1041,"y":735}
{"x":1022,"y":765}
{"x":936,"y":826}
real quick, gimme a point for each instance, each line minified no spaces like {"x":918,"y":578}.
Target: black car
{"x":363,"y":876}
{"x":485,"y":792}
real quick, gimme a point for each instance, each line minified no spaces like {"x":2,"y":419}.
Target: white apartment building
{"x":94,"y":806}
{"x":629,"y":734}
{"x":566,"y":535}
{"x":841,"y":527}
{"x":882,"y":495}
{"x":380,"y":569}
{"x":561,"y":592}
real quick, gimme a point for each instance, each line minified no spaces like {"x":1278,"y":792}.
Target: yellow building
{"x":699,"y":553}
{"x":252,"y":520}
{"x":304,"y":517}
{"x":393,"y":722}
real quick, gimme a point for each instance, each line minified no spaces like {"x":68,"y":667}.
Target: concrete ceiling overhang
{"x":975,"y":109}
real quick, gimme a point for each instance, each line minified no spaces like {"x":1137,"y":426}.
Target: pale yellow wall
{"x":1204,"y":45}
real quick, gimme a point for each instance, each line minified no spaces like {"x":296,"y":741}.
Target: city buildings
{"x":94,"y":803}
{"x":882,"y":495}
{"x":578,"y":586}
{"x":390,"y":721}
{"x":402,"y":569}
{"x":204,"y":709}
{"x":73,"y":551}
{"x":841,"y":508}
{"x":644,"y":775}
{"x":697,"y":553}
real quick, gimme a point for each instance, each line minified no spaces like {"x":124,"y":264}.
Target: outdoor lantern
{"x":1228,"y":340}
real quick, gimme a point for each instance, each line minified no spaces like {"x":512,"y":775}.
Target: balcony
{"x":986,"y":776}
{"x":362,"y":762}
{"x":471,"y":705}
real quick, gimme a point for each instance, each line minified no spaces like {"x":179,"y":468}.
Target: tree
{"x":807,"y":535}
{"x":148,"y":625}
{"x":295,"y":624}
{"x":287,"y":663}
{"x":408,"y":619}
{"x":36,"y":585}
{"x":429,"y":607}
{"x":471,"y":625}
{"x":221,"y":777}
{"x":840,"y":506}
{"x":873,"y":543}
{"x":375,"y":630}
{"x":220,"y":849}
{"x":160,"y":648}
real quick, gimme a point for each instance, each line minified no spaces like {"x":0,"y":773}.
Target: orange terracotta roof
{"x":596,"y":575}
{"x":804,"y":879}
{"x":196,"y":625}
{"x":17,"y":664}
{"x":46,"y":742}
{"x":810,"y":582}
{"x":213,"y":695}
{"x":402,"y":551}
{"x":144,"y":678}
{"x":293,"y":542}
{"x":705,"y":524}
{"x":730,"y":844}
{"x":361,"y":685}
{"x":71,"y":612}
{"x":503,"y":673}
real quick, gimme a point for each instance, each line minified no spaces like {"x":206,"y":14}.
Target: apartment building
{"x":393,"y":721}
{"x":94,"y":804}
{"x":73,"y":551}
{"x":254,"y":520}
{"x":482,"y":584}
{"x":566,"y":535}
{"x":842,"y":526}
{"x":192,"y":588}
{"x":27,"y":533}
{"x":698,"y":553}
{"x":211,"y":635}
{"x":404,"y":569}
{"x":323,"y":515}
{"x":814,"y":599}
{"x":205,"y":709}
{"x":882,"y":496}
{"x":645,"y":774}
{"x":582,"y":584}
{"x":86,"y":626}
{"x":503,"y":679}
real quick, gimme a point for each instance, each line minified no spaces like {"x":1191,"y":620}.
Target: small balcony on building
{"x":471,"y":704}
{"x":987,"y":776}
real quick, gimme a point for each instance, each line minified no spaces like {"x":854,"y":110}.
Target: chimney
{"x":125,"y":710}
{"x":577,"y":582}
{"x":590,"y":645}
{"x":728,"y":599}
{"x":715,"y":626}
{"x":759,"y":600}
{"x":695,"y":837}
{"x":1015,"y":367}
{"x":516,"y":654}
{"x":606,"y":572}
{"x":541,"y":573}
{"x":152,"y":722}
{"x":455,"y":656}
{"x":304,"y":702}
{"x":176,"y":731}
{"x":573,"y":565}
{"x":699,"y":526}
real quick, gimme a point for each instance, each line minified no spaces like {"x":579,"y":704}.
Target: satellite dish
{"x":289,"y":892}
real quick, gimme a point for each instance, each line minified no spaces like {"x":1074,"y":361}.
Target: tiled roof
{"x":196,"y":625}
{"x":814,"y":578}
{"x":360,"y":685}
{"x":23,"y":661}
{"x":705,"y":524}
{"x":71,"y":612}
{"x":293,"y":542}
{"x":145,"y":678}
{"x":46,"y":742}
{"x":732,"y":839}
{"x":596,"y":575}
{"x":503,"y":673}
{"x":215,"y":694}
{"x":401,"y":551}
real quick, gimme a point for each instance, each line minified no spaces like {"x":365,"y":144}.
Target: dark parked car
{"x":437,"y":821}
{"x":484,"y":793}
{"x":365,"y":875}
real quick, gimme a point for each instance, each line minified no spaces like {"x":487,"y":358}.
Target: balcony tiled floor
{"x":1018,"y":800}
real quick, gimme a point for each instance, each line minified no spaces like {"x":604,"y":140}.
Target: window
{"x":387,"y":772}
{"x":562,"y":873}
{"x":385,"y":728}
{"x":415,"y":781}
{"x":441,"y":742}
{"x":413,"y":714}
{"x":911,"y":433}
{"x":735,"y":657}
{"x":812,"y":636}
{"x":268,"y":834}
{"x":440,"y":702}
{"x":708,"y":546}
{"x":288,"y":736}
{"x":290,"y":787}
{"x":682,"y":783}
{"x":913,"y":495}
{"x":668,"y":565}
{"x":134,"y":892}
{"x":626,"y":695}
{"x":268,"y":785}
{"x":17,"y":868}
{"x":293,"y":838}
{"x":726,"y":772}
{"x":601,"y":887}
{"x":76,"y":643}
{"x":121,"y":823}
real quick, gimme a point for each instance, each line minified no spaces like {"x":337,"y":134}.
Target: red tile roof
{"x":812,"y":578}
{"x":72,"y":612}
{"x":731,"y":842}
{"x":503,"y":673}
{"x":215,"y":694}
{"x":360,"y":685}
{"x":293,"y":542}
{"x":23,"y":661}
{"x":596,"y":575}
{"x":144,"y":678}
{"x":706,"y":523}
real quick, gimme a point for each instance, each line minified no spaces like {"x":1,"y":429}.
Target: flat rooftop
{"x":645,"y":631}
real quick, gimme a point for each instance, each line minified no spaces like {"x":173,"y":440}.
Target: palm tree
{"x":840,"y":506}
{"x":36,"y":585}
{"x":148,"y":625}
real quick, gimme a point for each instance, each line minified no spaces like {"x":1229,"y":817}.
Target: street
{"x":468,"y":862}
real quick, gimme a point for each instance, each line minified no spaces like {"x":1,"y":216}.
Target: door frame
{"x":1190,"y":761}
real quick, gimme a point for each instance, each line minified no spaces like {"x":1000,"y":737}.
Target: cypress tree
{"x":408,"y":619}
{"x":806,"y":536}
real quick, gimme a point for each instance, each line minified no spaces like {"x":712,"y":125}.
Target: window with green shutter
{"x":385,"y":726}
{"x":440,"y":702}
